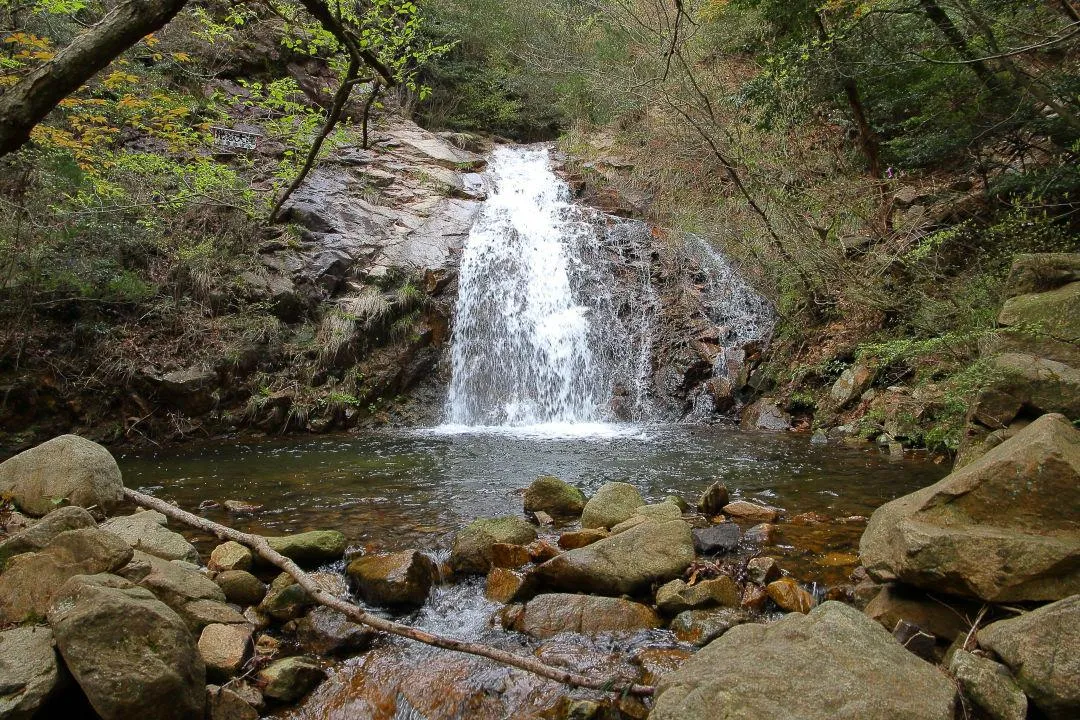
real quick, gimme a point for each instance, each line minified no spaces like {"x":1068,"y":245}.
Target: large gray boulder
{"x":146,"y":531}
{"x":67,"y":470}
{"x":612,"y":504}
{"x":31,"y":580}
{"x":41,"y":533}
{"x":29,"y":671}
{"x":193,"y":596}
{"x":624,"y":564}
{"x":129,"y":652}
{"x":1042,"y":648}
{"x":312,"y":548}
{"x":471,"y":552}
{"x":832,"y":664}
{"x":548,"y":615}
{"x":1005,"y":528}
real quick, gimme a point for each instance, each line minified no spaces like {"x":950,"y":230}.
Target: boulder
{"x":1002,"y":529}
{"x":557,"y":498}
{"x":31,"y":580}
{"x":130,"y":653}
{"x":989,"y":686}
{"x":542,"y":550}
{"x":788,"y":596}
{"x":29,"y":671}
{"x":505,"y":555}
{"x":1039,"y":272}
{"x":191,"y":390}
{"x":145,"y":530}
{"x":240,"y":587}
{"x":580,"y":538}
{"x":765,"y":414}
{"x":676,"y":596}
{"x":1053,"y":313}
{"x":945,"y":620}
{"x":225,"y":703}
{"x":547,"y":615}
{"x":471,"y":553}
{"x":613,"y":503}
{"x":700,"y":627}
{"x":289,"y":679}
{"x":762,"y":570}
{"x":832,"y":664}
{"x":659,"y":511}
{"x":401,"y":579}
{"x":717,"y":539}
{"x":502,"y":585}
{"x":230,"y":555}
{"x":67,"y":470}
{"x":713,"y":500}
{"x":325,"y":631}
{"x":745,"y":511}
{"x":622,"y":564}
{"x":200,"y":613}
{"x":1042,"y":649}
{"x":285,"y":600}
{"x":310,"y":549}
{"x":224,"y":649}
{"x":37,"y":536}
{"x":851,"y":384}
{"x":192,"y":595}
{"x":1026,"y":383}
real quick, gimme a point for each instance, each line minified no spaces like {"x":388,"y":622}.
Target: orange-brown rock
{"x":789,"y":597}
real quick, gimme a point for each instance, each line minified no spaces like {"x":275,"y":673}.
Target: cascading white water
{"x":521,"y":351}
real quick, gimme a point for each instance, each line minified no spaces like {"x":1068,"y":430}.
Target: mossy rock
{"x":472,"y":549}
{"x":555,"y":497}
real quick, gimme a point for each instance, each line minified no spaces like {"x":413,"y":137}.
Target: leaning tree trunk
{"x":28,"y":102}
{"x":261,"y":547}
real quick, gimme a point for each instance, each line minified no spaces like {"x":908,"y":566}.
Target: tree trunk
{"x":959,"y":43}
{"x":262,"y":548}
{"x":32,"y":98}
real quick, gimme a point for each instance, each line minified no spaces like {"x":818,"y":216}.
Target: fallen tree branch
{"x":260,"y":546}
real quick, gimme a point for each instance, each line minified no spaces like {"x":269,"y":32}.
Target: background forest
{"x":872,"y":165}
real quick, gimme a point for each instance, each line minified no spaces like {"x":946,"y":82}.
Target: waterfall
{"x":556,"y":310}
{"x":521,"y":347}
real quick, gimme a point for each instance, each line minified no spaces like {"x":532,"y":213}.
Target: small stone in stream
{"x":838,"y":559}
{"x":580,"y":538}
{"x":613,"y":503}
{"x":789,"y":597}
{"x":249,"y":694}
{"x":853,"y":520}
{"x":762,"y":570}
{"x":676,"y":596}
{"x":754,"y":598}
{"x":547,"y":615}
{"x":224,"y":648}
{"x":684,"y":507}
{"x":209,"y":504}
{"x":471,"y":552}
{"x":505,"y":555}
{"x":917,"y":640}
{"x":657,"y":662}
{"x":700,"y":627}
{"x":989,"y":686}
{"x":542,"y":518}
{"x":223,"y":703}
{"x":242,"y":506}
{"x":267,"y":646}
{"x":230,"y":555}
{"x":289,"y":679}
{"x":549,"y":494}
{"x":241,"y":587}
{"x":541,"y":551}
{"x":256,"y":619}
{"x":713,"y":500}
{"x":401,"y":579}
{"x":717,"y":539}
{"x":312,"y":548}
{"x":809,"y":518}
{"x":841,"y":593}
{"x":762,"y":534}
{"x":503,"y":585}
{"x":285,"y":600}
{"x":751,"y":512}
{"x":325,"y":631}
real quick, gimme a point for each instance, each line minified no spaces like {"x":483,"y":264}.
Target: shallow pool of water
{"x":410,"y":488}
